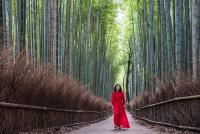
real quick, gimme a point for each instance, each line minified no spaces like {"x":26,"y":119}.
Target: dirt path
{"x":106,"y":127}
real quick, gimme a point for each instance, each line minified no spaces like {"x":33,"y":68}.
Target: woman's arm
{"x":123,"y":99}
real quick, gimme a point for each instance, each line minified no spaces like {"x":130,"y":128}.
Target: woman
{"x":118,"y":102}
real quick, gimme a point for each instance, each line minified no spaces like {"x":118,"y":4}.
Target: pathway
{"x":106,"y":127}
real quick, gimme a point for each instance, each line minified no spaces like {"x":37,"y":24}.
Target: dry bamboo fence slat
{"x":180,"y":112}
{"x":17,"y":117}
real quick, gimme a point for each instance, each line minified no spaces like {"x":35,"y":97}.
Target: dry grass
{"x":185,"y":86}
{"x":21,"y":83}
{"x":180,"y":113}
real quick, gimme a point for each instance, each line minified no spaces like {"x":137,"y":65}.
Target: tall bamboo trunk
{"x":169,"y":35}
{"x":52,"y":33}
{"x":163,"y":45}
{"x":179,"y":35}
{"x":1,"y":23}
{"x":95,"y":53}
{"x":194,"y":40}
{"x":198,"y":35}
{"x":151,"y":44}
{"x":68,"y":42}
{"x":22,"y":23}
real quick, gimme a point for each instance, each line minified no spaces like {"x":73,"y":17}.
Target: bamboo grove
{"x":163,"y":39}
{"x":81,"y":38}
{"x":77,"y":37}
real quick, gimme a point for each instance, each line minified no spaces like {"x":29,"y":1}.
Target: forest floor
{"x":106,"y":127}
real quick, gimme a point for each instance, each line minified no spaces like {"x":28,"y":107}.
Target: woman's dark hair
{"x":120,"y":90}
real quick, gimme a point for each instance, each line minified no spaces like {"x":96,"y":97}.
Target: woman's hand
{"x":125,"y":106}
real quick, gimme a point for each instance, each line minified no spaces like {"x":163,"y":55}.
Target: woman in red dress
{"x":118,"y":102}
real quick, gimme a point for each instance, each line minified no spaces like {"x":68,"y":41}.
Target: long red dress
{"x":120,"y":117}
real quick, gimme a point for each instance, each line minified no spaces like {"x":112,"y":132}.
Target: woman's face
{"x":117,"y":87}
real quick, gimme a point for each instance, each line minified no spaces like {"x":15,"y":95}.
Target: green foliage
{"x":56,"y":32}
